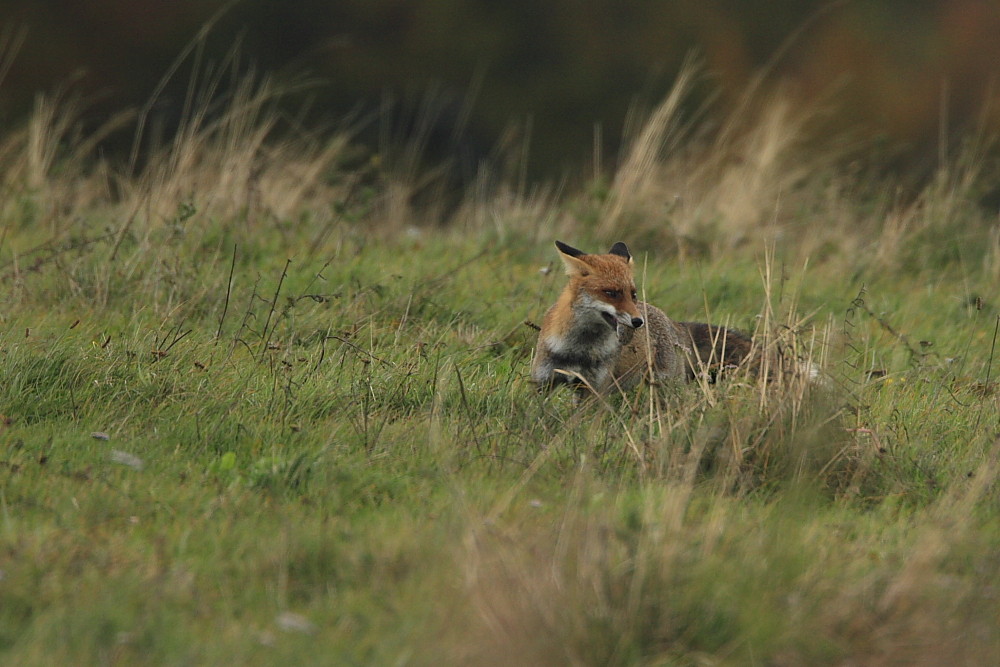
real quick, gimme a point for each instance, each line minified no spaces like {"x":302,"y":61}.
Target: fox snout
{"x":624,"y":319}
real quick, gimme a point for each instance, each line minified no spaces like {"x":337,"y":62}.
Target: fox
{"x":599,"y":338}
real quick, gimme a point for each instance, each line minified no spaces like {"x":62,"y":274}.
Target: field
{"x":258,"y":407}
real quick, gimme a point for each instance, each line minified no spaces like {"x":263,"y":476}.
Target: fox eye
{"x":633,"y":295}
{"x":613,"y":293}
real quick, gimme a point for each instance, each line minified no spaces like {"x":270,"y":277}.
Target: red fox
{"x":598,"y":337}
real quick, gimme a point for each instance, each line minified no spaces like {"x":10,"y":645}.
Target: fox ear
{"x":569,"y":250}
{"x":621,"y":250}
{"x":571,"y":258}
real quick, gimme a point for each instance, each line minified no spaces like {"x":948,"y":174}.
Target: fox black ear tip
{"x":569,"y":250}
{"x":621,"y":250}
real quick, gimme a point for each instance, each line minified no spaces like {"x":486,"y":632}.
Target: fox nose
{"x":636,"y":322}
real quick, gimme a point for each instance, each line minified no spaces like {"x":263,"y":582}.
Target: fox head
{"x":603,"y":284}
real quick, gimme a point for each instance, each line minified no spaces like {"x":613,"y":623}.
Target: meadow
{"x":259,"y":407}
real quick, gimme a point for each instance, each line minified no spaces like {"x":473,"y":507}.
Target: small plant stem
{"x":229,"y":290}
{"x":274,"y":301}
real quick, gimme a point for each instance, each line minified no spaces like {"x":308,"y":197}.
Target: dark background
{"x":554,"y":69}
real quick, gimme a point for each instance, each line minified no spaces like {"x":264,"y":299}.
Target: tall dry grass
{"x":687,"y":184}
{"x":700,"y":186}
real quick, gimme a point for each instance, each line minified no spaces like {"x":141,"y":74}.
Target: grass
{"x":258,"y":408}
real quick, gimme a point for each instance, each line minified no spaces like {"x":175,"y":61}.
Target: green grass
{"x":250,"y":423}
